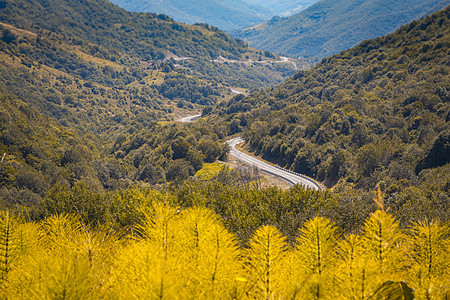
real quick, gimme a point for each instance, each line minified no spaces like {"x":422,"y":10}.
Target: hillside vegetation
{"x":84,"y":85}
{"x":330,"y":26}
{"x":376,"y":113}
{"x":96,"y":194}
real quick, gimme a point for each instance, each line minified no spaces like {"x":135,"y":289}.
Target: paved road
{"x":189,"y":118}
{"x":238,"y":92}
{"x":287,"y":175}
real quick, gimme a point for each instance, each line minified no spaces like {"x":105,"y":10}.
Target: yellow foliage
{"x":384,"y":242}
{"x":430,"y":272}
{"x":180,"y":255}
{"x":208,"y":171}
{"x":316,"y":252}
{"x":188,"y":254}
{"x":264,"y":263}
{"x":211,"y":254}
{"x":355,"y":272}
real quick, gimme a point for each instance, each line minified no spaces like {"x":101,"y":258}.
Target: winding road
{"x":290,"y":176}
{"x":189,"y":118}
{"x":238,"y":92}
{"x":287,"y":175}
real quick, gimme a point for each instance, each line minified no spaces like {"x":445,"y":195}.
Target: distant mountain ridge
{"x":231,"y":15}
{"x":330,"y":26}
{"x":283,"y":7}
{"x":225,"y":14}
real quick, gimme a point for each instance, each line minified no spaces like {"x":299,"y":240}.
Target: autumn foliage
{"x":188,"y":254}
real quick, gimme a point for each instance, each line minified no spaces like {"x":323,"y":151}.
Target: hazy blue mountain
{"x":225,"y":14}
{"x":330,"y":26}
{"x":283,"y":7}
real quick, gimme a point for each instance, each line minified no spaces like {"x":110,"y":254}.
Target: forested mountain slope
{"x":83,"y":86}
{"x":100,"y":46}
{"x":378,"y":112}
{"x":147,"y":37}
{"x":107,"y":25}
{"x":330,"y":26}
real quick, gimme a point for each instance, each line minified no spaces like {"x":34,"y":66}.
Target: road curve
{"x":189,"y":118}
{"x":287,"y":175}
{"x":238,"y":92}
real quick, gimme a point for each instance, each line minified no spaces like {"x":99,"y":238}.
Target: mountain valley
{"x":115,"y":173}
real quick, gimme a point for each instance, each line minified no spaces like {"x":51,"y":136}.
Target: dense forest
{"x":89,"y":92}
{"x":376,"y":113}
{"x":104,"y":195}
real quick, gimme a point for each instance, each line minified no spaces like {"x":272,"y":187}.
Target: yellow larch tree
{"x":263,"y":262}
{"x":316,"y":251}
{"x":429,"y":257}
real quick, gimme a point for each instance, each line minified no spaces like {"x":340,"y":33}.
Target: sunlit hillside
{"x":132,"y":150}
